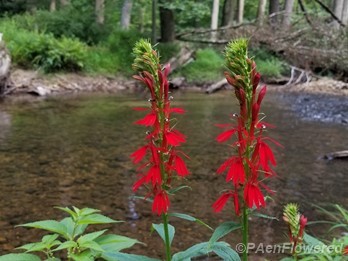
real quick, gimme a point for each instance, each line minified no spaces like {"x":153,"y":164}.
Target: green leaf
{"x":19,"y":257}
{"x":190,"y":218}
{"x":174,"y":190}
{"x":53,"y":259}
{"x":142,"y":198}
{"x":84,"y":256}
{"x":223,"y":230}
{"x":91,"y":245}
{"x":312,"y":241}
{"x":126,"y":257}
{"x":49,"y":225}
{"x":72,"y":227}
{"x":224,"y":250}
{"x":90,"y":237}
{"x":88,"y":211}
{"x":256,"y":214}
{"x":69,"y":211}
{"x":115,"y":243}
{"x":66,"y":245}
{"x":194,"y":251}
{"x":96,"y":219}
{"x":160,"y":230}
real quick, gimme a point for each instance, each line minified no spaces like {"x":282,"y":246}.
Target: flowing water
{"x":74,"y":151}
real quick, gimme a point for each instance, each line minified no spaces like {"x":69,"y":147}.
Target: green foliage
{"x":42,"y":50}
{"x":121,"y":43}
{"x":160,"y":230}
{"x":222,"y":249}
{"x":100,"y":59}
{"x":208,"y":67}
{"x":69,"y":234}
{"x":267,"y":63}
{"x":167,"y":51}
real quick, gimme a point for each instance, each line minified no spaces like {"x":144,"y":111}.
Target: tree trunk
{"x":240,"y":11}
{"x":153,"y":18}
{"x":64,"y":2}
{"x":345,"y":13}
{"x":126,"y":14}
{"x":337,"y":10}
{"x":141,"y":19}
{"x":167,"y":24}
{"x":261,"y":11}
{"x":227,"y":13}
{"x":53,"y":5}
{"x":273,"y":13}
{"x":99,"y":11}
{"x":214,"y":18}
{"x":289,"y":4}
{"x":5,"y":64}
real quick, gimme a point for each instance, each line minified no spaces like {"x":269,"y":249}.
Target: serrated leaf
{"x":96,"y":219}
{"x":19,"y":257}
{"x":90,"y":236}
{"x":126,"y":257}
{"x":70,"y":225}
{"x":115,"y":243}
{"x":84,"y":256}
{"x":160,"y":230}
{"x":224,"y":250}
{"x":49,"y":225}
{"x":88,"y":211}
{"x":49,"y":238}
{"x":66,"y":245}
{"x":194,"y":251}
{"x":91,"y":245}
{"x":223,"y":230}
{"x":69,"y":211}
{"x":190,"y":218}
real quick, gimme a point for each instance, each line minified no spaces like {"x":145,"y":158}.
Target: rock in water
{"x":5,"y":64}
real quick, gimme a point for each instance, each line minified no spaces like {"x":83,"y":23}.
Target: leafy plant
{"x":207,"y":67}
{"x":69,"y":234}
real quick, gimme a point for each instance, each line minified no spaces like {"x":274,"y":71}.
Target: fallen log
{"x":184,"y":57}
{"x":337,"y":155}
{"x":216,"y":86}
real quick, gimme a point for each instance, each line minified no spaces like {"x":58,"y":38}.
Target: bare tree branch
{"x":330,"y":12}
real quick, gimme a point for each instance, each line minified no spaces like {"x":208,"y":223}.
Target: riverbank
{"x":32,"y":82}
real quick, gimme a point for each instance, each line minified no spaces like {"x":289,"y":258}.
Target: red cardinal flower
{"x":253,"y":196}
{"x":160,"y":203}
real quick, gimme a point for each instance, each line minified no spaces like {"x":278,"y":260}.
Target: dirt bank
{"x":32,"y":82}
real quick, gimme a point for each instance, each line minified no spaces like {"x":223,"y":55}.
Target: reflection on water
{"x":74,"y":151}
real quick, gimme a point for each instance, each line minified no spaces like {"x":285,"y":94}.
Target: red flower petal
{"x":220,"y":203}
{"x":154,"y":175}
{"x":253,"y":196}
{"x":148,"y":120}
{"x":224,"y":136}
{"x":236,"y":172}
{"x":139,"y":154}
{"x":174,"y":138}
{"x":180,"y":166}
{"x":160,"y":203}
{"x":177,"y":110}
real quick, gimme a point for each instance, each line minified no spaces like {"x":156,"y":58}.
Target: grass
{"x":208,"y":67}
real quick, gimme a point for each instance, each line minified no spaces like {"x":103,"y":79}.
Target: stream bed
{"x":74,"y":151}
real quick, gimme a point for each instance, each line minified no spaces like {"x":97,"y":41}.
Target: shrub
{"x":268,"y":64}
{"x":208,"y":67}
{"x":38,"y":50}
{"x":121,"y":44}
{"x":167,"y":50}
{"x":100,"y":60}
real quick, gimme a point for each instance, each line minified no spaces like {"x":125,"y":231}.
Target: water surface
{"x":68,"y":151}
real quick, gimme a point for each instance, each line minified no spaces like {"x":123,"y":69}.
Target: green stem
{"x":245,"y":233}
{"x":166,"y":236}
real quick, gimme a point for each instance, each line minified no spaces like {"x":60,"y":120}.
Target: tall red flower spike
{"x":160,"y":157}
{"x":253,"y":158}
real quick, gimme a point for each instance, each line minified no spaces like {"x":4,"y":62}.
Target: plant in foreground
{"x":306,"y":247}
{"x":163,"y":157}
{"x":252,"y":161}
{"x":69,"y":235}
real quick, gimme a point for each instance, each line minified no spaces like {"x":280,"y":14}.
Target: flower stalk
{"x":163,"y":158}
{"x":252,"y":160}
